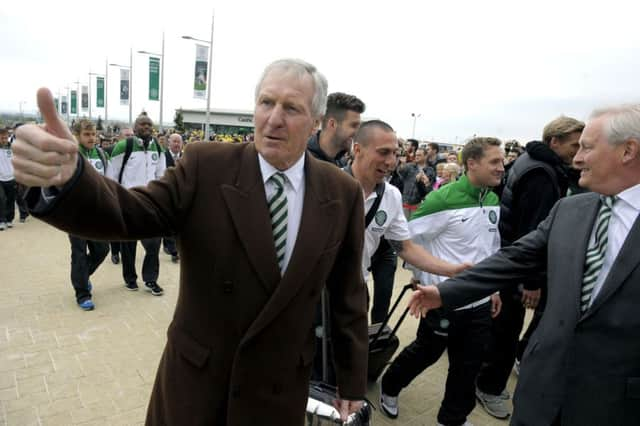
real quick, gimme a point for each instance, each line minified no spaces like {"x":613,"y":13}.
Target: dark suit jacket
{"x":241,"y":341}
{"x":170,"y":161}
{"x":585,"y":368}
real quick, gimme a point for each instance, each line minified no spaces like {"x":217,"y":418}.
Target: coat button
{"x":227,"y":287}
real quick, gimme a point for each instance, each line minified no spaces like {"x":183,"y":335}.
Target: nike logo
{"x":464,"y":219}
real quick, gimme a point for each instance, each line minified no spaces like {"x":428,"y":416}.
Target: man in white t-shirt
{"x":375,"y":149}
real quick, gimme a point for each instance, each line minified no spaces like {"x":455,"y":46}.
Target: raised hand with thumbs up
{"x":45,"y":155}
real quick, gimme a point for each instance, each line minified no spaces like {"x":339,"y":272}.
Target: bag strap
{"x":127,"y":153}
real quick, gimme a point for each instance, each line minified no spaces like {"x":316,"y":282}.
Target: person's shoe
{"x":389,"y":405}
{"x":3,"y":226}
{"x":175,"y":258}
{"x":131,"y":286}
{"x":505,"y":395}
{"x":166,"y":250}
{"x":493,"y":404}
{"x":154,"y":288}
{"x":9,"y":224}
{"x":516,"y":367}
{"x":23,"y":219}
{"x":115,"y":259}
{"x":86,"y":305}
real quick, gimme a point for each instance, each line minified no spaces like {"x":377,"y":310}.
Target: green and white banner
{"x":154,"y":78}
{"x":100,"y":92}
{"x":124,"y":87}
{"x":74,"y":102}
{"x":85,"y":97}
{"x":200,"y":76}
{"x":63,"y":105}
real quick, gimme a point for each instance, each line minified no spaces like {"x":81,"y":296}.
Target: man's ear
{"x":631,"y":150}
{"x":356,"y":148}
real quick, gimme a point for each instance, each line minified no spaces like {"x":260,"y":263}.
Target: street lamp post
{"x":161,"y":77}
{"x":209,"y":72}
{"x":415,"y":117}
{"x":130,"y":68}
{"x":21,"y":111}
{"x":89,"y":95}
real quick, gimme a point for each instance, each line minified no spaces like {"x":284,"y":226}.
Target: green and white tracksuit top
{"x":457,"y":223}
{"x":93,"y":157}
{"x":143,"y":166}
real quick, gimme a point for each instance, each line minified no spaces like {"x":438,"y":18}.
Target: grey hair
{"x":300,"y":68}
{"x":622,"y":122}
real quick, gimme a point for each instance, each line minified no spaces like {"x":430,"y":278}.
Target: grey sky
{"x":493,"y":68}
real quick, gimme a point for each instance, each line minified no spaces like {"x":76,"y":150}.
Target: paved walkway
{"x":63,"y":366}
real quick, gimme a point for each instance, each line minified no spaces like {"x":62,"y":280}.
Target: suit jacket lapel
{"x":246,"y":200}
{"x":317,"y":215}
{"x":626,"y":261}
{"x":576,"y":249}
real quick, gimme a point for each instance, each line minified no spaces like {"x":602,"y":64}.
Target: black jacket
{"x":313,"y":146}
{"x":536,"y":181}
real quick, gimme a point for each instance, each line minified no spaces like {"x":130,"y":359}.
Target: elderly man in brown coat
{"x":261,"y":227}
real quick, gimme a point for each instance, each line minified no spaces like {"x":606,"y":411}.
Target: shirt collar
{"x":295,"y":173}
{"x":631,"y":196}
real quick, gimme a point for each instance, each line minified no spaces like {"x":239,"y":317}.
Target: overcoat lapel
{"x":318,"y":214}
{"x":627,"y":260}
{"x":247,"y":204}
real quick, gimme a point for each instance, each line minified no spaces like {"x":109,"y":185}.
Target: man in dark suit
{"x":262,"y":227}
{"x":582,"y":364}
{"x":172,"y":155}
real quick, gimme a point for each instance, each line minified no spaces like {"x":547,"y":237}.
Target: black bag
{"x":383,"y":341}
{"x":320,"y":409}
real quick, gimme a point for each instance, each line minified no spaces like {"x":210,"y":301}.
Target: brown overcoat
{"x":241,"y":341}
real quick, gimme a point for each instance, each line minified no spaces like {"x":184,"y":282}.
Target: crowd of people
{"x":320,"y":200}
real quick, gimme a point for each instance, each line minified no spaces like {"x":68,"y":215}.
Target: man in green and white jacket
{"x":459,"y":224}
{"x":135,"y":161}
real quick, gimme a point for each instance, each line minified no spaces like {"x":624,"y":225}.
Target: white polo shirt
{"x":388,"y":222}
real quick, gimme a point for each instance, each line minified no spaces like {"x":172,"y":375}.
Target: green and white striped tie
{"x":278,"y":211}
{"x":595,"y":253}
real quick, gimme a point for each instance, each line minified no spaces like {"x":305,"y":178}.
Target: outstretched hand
{"x":45,"y":155}
{"x":424,"y":299}
{"x":346,"y":407}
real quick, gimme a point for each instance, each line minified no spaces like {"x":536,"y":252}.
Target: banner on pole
{"x":201,"y":69}
{"x":63,"y":105}
{"x":100,"y":92}
{"x":85,"y":98}
{"x":74,"y":102}
{"x":154,"y":78}
{"x":124,"y":87}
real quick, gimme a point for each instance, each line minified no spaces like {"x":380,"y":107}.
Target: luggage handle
{"x":388,"y":317}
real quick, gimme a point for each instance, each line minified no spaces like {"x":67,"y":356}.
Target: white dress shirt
{"x":624,"y":213}
{"x":294,"y":189}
